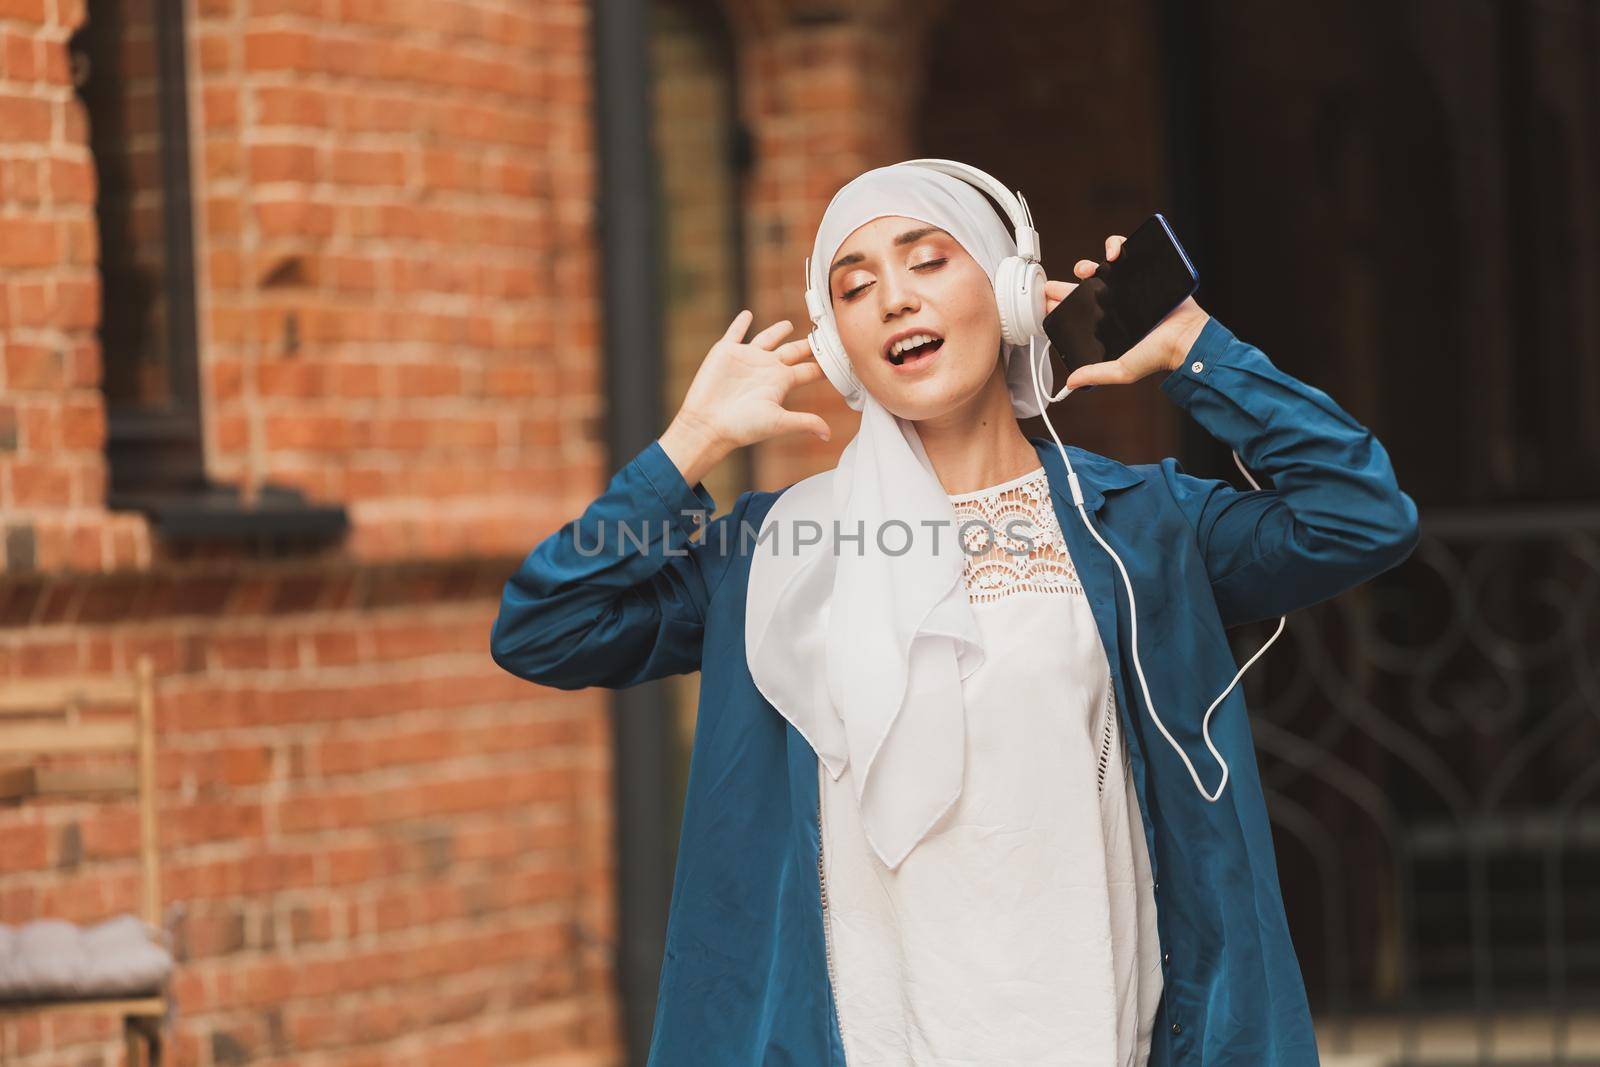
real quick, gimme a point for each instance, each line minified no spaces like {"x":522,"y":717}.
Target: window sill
{"x":279,"y":516}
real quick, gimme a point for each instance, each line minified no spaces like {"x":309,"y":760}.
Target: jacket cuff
{"x":691,"y":508}
{"x":1209,"y":349}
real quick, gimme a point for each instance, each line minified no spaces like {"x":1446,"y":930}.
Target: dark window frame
{"x":151,"y":447}
{"x":155,"y":453}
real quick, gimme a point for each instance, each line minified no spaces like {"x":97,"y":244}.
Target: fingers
{"x":769,"y":336}
{"x":765,"y":339}
{"x":1085,"y":268}
{"x":735,"y":331}
{"x":794,"y":352}
{"x":1108,"y":372}
{"x":805,"y":374}
{"x":1055,"y":292}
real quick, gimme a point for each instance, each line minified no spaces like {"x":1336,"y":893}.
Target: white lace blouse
{"x":1021,"y":930}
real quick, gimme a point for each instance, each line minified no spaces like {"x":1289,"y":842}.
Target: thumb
{"x":804,"y":422}
{"x":1106,"y":372}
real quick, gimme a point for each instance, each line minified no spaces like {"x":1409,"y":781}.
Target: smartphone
{"x":1124,"y":299}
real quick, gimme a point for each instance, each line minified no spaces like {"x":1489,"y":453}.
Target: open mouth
{"x":914,"y":355}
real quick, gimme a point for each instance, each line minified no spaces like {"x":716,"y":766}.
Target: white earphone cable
{"x":1036,"y":365}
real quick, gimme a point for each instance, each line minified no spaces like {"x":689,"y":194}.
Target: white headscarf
{"x":861,"y":647}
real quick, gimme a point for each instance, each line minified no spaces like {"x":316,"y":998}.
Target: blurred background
{"x":317,"y":315}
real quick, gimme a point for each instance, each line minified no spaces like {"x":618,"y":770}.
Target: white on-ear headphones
{"x":1018,"y":285}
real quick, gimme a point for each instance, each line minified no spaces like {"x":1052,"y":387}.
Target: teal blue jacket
{"x":744,"y":981}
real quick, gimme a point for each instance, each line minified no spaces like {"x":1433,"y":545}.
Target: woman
{"x":909,"y":834}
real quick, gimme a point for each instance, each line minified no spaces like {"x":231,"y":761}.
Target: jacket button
{"x":1177,"y":1028}
{"x":1197,"y":366}
{"x":1166,"y":957}
{"x":1155,"y":885}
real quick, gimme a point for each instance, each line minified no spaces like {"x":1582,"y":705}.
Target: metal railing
{"x":1430,"y":748}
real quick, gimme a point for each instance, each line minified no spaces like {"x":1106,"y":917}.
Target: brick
{"x":70,"y":14}
{"x":85,"y":541}
{"x":83,"y":364}
{"x":77,"y":302}
{"x":83,"y":424}
{"x":294,"y":218}
{"x":40,"y":426}
{"x":278,"y":105}
{"x":219,"y":109}
{"x":23,"y":848}
{"x":24,"y":118}
{"x":20,"y":57}
{"x":229,"y":433}
{"x":40,"y":484}
{"x":217,"y":52}
{"x":28,"y":242}
{"x":34,"y":368}
{"x":429,"y":380}
{"x":223,"y":216}
{"x":80,"y":235}
{"x":280,"y":50}
{"x":57,"y":64}
{"x":23,"y":11}
{"x":283,"y":163}
{"x":366,"y":167}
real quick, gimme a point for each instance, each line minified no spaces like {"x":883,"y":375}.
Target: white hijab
{"x":863,"y":647}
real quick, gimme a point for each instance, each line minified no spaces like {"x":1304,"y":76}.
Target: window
{"x":128,"y":69}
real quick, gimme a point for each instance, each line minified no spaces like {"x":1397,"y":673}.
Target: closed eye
{"x":850,"y":295}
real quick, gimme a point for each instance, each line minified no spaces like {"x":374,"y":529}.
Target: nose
{"x":897,"y":293}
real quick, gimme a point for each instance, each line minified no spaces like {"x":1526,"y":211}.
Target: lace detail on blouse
{"x":1012,"y":542}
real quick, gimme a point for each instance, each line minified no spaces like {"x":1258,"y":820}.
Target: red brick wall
{"x":390,"y":851}
{"x":52,"y":423}
{"x":418,"y":176}
{"x":408,"y":191}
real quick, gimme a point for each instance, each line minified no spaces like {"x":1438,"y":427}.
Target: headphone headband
{"x":1014,"y":205}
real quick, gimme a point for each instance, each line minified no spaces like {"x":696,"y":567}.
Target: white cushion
{"x":50,"y":959}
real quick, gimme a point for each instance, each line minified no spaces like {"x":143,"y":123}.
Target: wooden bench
{"x":46,"y":717}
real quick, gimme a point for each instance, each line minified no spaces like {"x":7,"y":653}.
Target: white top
{"x":1021,"y":930}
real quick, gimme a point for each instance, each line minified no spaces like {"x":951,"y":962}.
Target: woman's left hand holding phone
{"x":1164,"y":348}
{"x":737,"y":396}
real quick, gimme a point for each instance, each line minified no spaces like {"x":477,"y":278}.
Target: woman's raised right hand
{"x":737,"y":396}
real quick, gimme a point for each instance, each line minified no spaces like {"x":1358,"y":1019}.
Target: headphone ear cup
{"x":835,"y":363}
{"x":1019,"y":294}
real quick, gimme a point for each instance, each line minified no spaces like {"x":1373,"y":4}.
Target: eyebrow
{"x":904,"y":239}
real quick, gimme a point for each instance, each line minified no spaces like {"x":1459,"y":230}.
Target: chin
{"x":928,"y":399}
